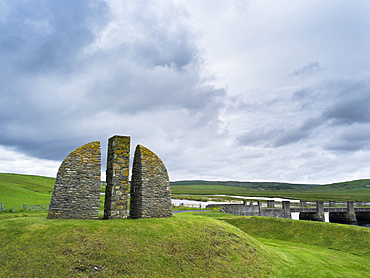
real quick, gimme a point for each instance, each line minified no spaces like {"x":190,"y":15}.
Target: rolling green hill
{"x":16,"y":183}
{"x":15,"y":190}
{"x":344,"y":191}
{"x":248,"y":185}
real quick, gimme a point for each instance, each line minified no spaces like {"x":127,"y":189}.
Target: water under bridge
{"x":348,"y":213}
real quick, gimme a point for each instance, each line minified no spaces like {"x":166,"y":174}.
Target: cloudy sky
{"x":257,"y":90}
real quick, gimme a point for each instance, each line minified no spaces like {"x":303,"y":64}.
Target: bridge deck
{"x":328,"y":209}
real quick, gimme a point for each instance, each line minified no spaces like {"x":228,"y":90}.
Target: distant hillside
{"x":349,"y":185}
{"x":39,"y":186}
{"x":248,"y":185}
{"x":343,"y":191}
{"x":25,"y":183}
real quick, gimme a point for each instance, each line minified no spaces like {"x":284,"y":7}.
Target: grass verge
{"x":341,"y":237}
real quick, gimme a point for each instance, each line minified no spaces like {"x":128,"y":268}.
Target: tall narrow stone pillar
{"x":117,"y":175}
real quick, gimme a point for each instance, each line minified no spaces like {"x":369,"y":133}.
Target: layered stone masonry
{"x":117,"y":174}
{"x":76,"y":191}
{"x":150,"y":194}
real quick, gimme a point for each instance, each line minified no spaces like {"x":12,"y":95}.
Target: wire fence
{"x":24,"y":207}
{"x":25,"y":196}
{"x":11,"y":205}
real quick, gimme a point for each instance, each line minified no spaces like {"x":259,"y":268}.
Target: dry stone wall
{"x":116,"y":191}
{"x":150,"y":186}
{"x":77,"y":187}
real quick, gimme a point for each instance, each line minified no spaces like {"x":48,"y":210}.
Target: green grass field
{"x":16,"y":190}
{"x":202,"y":244}
{"x":190,"y":244}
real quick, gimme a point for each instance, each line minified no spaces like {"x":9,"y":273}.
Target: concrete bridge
{"x":351,"y":213}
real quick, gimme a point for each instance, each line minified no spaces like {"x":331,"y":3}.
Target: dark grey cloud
{"x":297,"y":133}
{"x":354,"y":138}
{"x":275,"y":137}
{"x":331,"y":106}
{"x":75,"y":71}
{"x":42,"y":36}
{"x":352,"y":105}
{"x":308,"y":70}
{"x":257,"y":137}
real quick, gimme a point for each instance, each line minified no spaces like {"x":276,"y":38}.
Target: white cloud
{"x":14,"y":162}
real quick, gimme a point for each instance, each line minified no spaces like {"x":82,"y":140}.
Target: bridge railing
{"x":307,"y":204}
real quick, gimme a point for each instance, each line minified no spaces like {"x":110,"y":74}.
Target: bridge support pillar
{"x":348,"y":217}
{"x":286,"y":207}
{"x":303,"y":203}
{"x":259,"y":205}
{"x":314,"y":216}
{"x":331,"y":203}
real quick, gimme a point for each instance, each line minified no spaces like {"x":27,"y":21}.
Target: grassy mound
{"x":309,"y":249}
{"x":184,"y":245}
{"x":346,"y":238}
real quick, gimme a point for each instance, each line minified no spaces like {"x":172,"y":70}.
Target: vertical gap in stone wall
{"x":117,"y":177}
{"x":136,"y":186}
